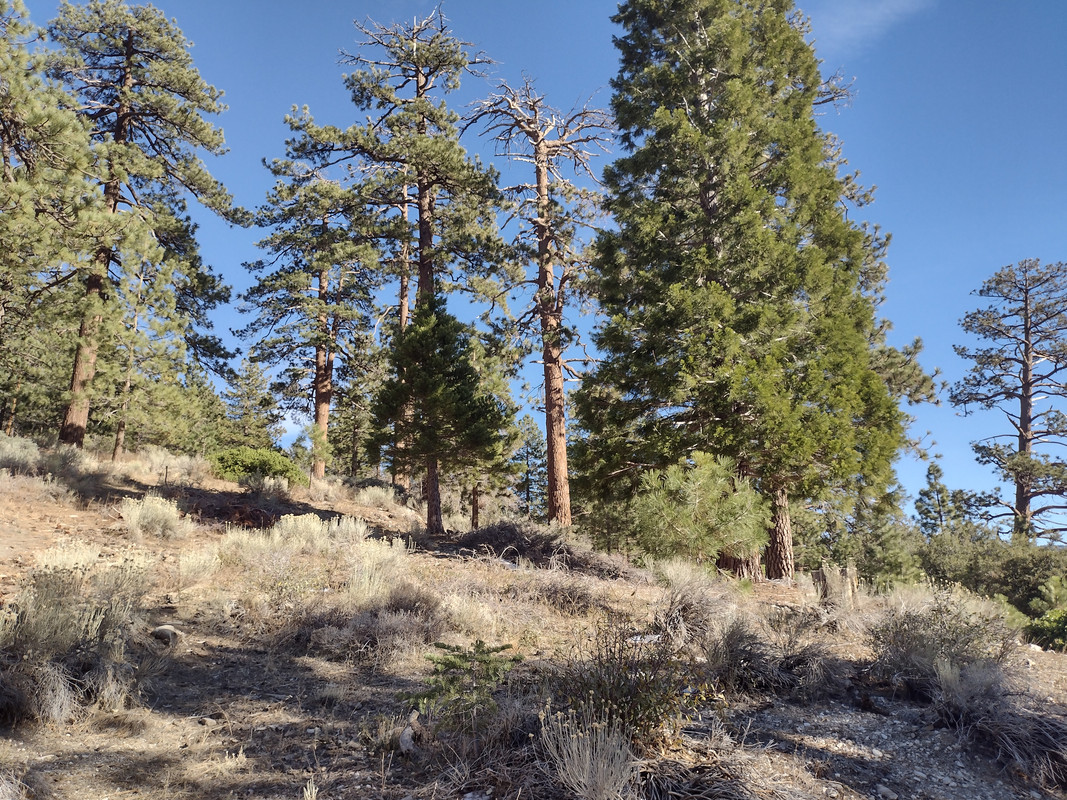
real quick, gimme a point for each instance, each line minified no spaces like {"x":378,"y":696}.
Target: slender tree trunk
{"x":323,"y":388}
{"x":550,"y":307}
{"x":779,"y":558}
{"x":1022,"y":522}
{"x":323,"y":399}
{"x":401,"y":478}
{"x":476,"y":500}
{"x":127,"y":386}
{"x":9,"y":426}
{"x":432,"y":497}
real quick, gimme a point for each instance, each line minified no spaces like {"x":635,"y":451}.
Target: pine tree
{"x":739,"y":299}
{"x":134,"y":82}
{"x":437,"y":404}
{"x":531,"y":465}
{"x":699,"y":508}
{"x":410,"y":145}
{"x":1023,"y":373}
{"x":314,"y":292}
{"x":48,"y":209}
{"x":254,"y":418}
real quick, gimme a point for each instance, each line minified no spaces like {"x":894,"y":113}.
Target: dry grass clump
{"x":174,"y":470}
{"x":950,"y":627}
{"x":560,"y":590}
{"x":952,"y":649}
{"x":326,"y":490}
{"x":11,"y":788}
{"x":65,"y":640}
{"x":189,"y":568}
{"x":636,"y":678}
{"x":589,"y":753}
{"x":19,"y":456}
{"x":542,"y":546}
{"x":267,"y":488}
{"x":35,"y":491}
{"x":326,"y":586}
{"x":398,"y":621}
{"x":377,"y":496}
{"x":154,"y":516}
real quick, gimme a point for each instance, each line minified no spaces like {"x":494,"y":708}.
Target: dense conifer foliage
{"x":738,"y":297}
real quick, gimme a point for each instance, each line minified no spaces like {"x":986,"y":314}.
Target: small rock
{"x":885,"y":791}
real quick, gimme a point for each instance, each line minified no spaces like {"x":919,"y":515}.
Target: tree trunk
{"x":323,"y":383}
{"x":550,"y":309}
{"x":741,"y":566}
{"x":1022,"y":523}
{"x":475,"y":502}
{"x":76,"y":417}
{"x":432,"y":497}
{"x":779,"y":557}
{"x":9,"y":427}
{"x":401,"y":478}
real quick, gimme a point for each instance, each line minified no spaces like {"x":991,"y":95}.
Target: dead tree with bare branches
{"x":553,"y":208}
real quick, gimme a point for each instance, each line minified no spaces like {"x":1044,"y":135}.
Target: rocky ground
{"x":235,"y":711}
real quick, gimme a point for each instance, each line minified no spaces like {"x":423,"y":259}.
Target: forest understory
{"x":202,"y":640}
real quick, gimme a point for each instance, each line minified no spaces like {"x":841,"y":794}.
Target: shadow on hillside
{"x":208,"y":506}
{"x":276,"y":708}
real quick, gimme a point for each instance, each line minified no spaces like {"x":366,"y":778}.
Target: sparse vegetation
{"x":67,"y":639}
{"x":154,"y":516}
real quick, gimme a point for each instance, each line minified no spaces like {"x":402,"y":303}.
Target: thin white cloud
{"x":845,"y":27}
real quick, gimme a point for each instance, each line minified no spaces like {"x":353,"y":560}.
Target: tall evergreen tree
{"x":531,"y":465}
{"x":134,"y":82}
{"x":48,"y":209}
{"x":410,"y":147}
{"x":739,"y":298}
{"x":1022,"y":371}
{"x":314,"y":293}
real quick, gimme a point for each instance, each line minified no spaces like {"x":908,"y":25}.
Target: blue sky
{"x":958,"y":117}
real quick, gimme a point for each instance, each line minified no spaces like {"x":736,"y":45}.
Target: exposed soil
{"x":238,"y":711}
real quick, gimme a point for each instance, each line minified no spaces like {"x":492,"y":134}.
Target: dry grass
{"x":154,"y":516}
{"x":590,"y":754}
{"x":299,"y":639}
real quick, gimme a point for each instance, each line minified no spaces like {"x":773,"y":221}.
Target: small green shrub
{"x":461,"y":688}
{"x":1050,"y":629}
{"x":240,"y":462}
